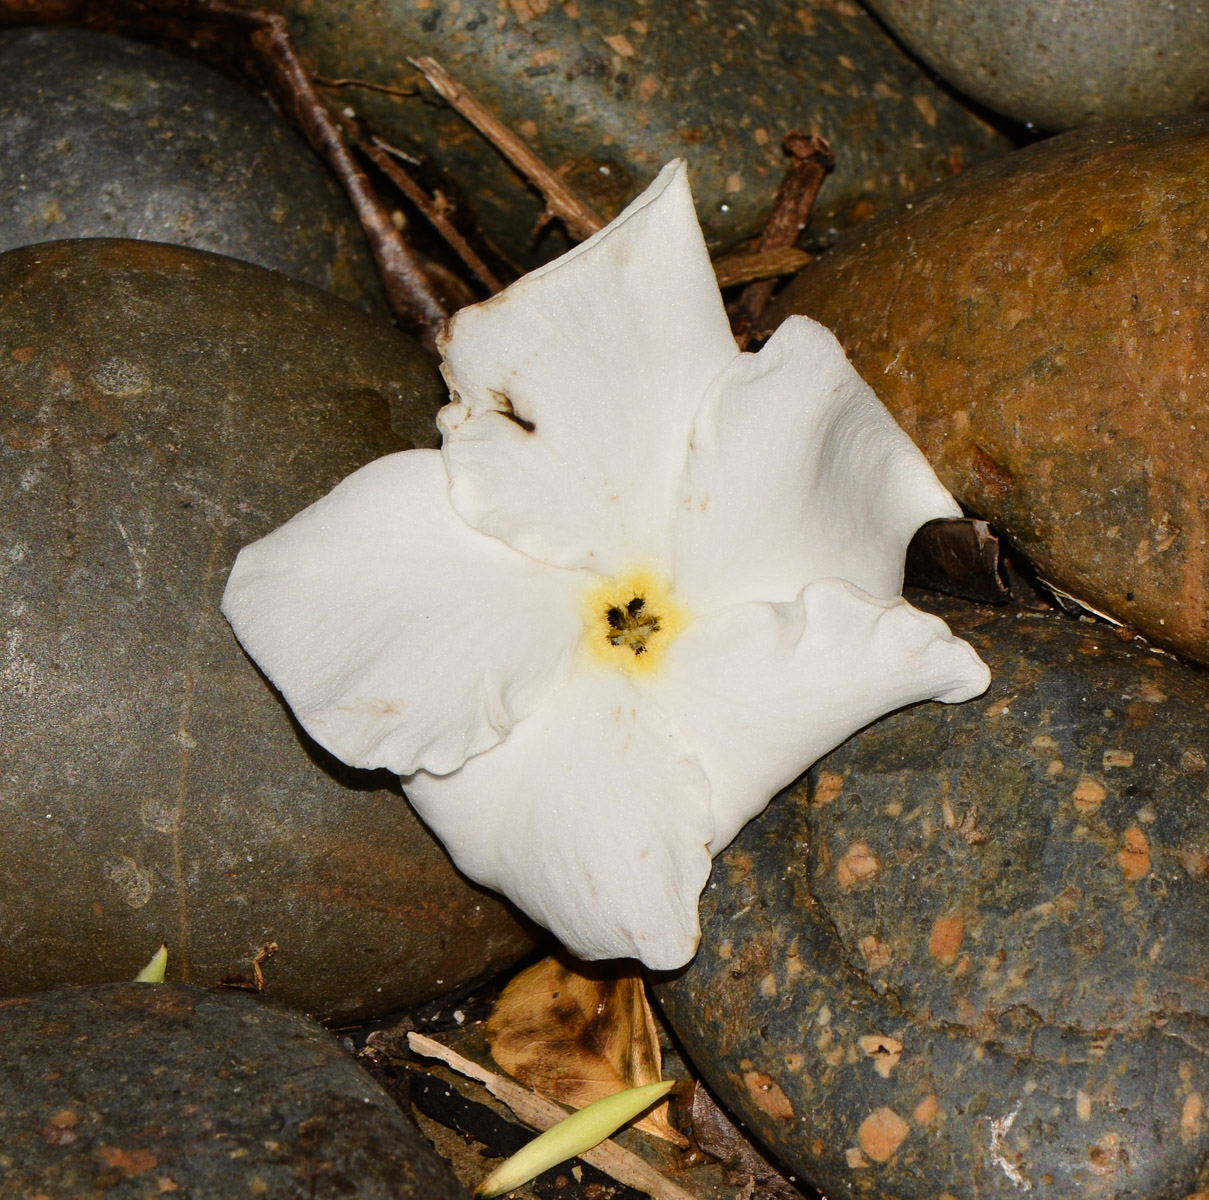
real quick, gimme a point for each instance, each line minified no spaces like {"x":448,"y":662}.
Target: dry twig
{"x":810,"y":159}
{"x":383,"y":155}
{"x":616,"y":1162}
{"x":205,"y":24}
{"x":411,"y":295}
{"x":734,"y":269}
{"x":561,"y":201}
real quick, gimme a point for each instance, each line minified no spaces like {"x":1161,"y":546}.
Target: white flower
{"x":644,"y":584}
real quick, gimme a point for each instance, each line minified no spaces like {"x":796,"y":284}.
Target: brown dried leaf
{"x":720,"y":1138}
{"x":578,"y":1033}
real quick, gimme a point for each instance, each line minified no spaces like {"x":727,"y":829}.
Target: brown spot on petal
{"x":506,"y":408}
{"x":881,"y":1133}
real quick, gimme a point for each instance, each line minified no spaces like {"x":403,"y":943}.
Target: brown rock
{"x":159,"y":408}
{"x":1037,"y":326}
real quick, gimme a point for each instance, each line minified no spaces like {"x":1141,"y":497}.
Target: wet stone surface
{"x":160,"y":408}
{"x":1058,"y":65}
{"x":966,"y":956}
{"x":607,"y":91}
{"x":104,"y":137}
{"x":146,"y":1090}
{"x":1036,"y":326}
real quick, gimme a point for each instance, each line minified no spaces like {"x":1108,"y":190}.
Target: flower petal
{"x":798,"y":472}
{"x":762,"y":690}
{"x":592,"y":816}
{"x":401,"y":637}
{"x":575,"y":388}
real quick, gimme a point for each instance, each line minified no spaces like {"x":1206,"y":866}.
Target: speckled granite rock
{"x":104,"y":137}
{"x":1036,"y":325}
{"x":610,"y":90}
{"x":159,"y":408}
{"x":1057,"y":64}
{"x":146,"y":1090}
{"x":969,"y":955}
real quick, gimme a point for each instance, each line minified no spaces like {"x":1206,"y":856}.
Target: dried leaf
{"x":958,"y":556}
{"x":579,"y":1033}
{"x":720,"y":1138}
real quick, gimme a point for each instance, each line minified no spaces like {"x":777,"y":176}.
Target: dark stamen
{"x":631,"y":625}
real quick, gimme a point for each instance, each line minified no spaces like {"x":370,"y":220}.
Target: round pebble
{"x":151,"y":1090}
{"x":966,"y":955}
{"x":1057,"y":65}
{"x":105,"y":137}
{"x":1036,"y":326}
{"x":160,"y":408}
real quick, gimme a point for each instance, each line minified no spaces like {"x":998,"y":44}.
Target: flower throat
{"x":632,"y":625}
{"x":630,"y":620}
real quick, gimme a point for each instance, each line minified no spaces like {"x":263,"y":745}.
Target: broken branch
{"x":810,"y":159}
{"x":383,"y":155}
{"x":580,"y":220}
{"x":411,"y":295}
{"x":734,"y":269}
{"x":617,"y":1162}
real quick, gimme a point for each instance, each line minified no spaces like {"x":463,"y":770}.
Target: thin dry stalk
{"x":384,"y":156}
{"x":810,"y":159}
{"x":561,"y":202}
{"x":207,"y":24}
{"x":735,"y":269}
{"x":412,"y":296}
{"x":614,"y":1160}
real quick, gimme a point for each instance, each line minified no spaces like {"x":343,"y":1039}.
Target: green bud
{"x":153,"y":972}
{"x":576,"y":1135}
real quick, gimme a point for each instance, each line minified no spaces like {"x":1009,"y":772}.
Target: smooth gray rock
{"x":160,"y":408}
{"x":147,"y":1090}
{"x":1056,"y":65}
{"x":105,"y":137}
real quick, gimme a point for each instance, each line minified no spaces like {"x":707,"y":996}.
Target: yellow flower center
{"x":630,"y":620}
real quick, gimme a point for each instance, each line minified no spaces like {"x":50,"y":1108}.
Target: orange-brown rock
{"x":1039,"y":326}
